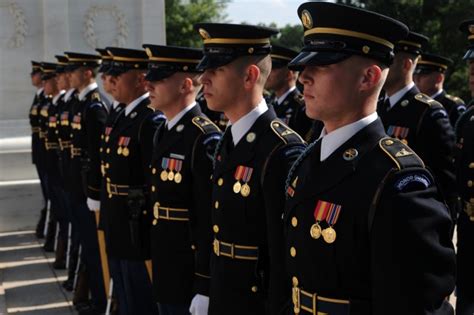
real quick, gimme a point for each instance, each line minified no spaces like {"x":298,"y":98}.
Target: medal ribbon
{"x":126,"y":141}
{"x":247,"y":174}
{"x":321,"y":210}
{"x":239,"y":172}
{"x":179,"y":165}
{"x":172,"y":165}
{"x":164,"y":163}
{"x":108,"y":130}
{"x":333,"y":214}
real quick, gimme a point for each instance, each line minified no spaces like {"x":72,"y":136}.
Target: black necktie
{"x":228,"y":140}
{"x":386,"y":104}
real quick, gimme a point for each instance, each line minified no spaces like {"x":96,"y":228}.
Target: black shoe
{"x":59,"y":265}
{"x":91,"y":310}
{"x":48,"y":247}
{"x":68,"y":285}
{"x":82,"y":305}
{"x":40,"y":225}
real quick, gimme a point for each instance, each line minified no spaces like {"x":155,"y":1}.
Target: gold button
{"x":294,"y":221}
{"x":295,"y":281}
{"x":469,"y":183}
{"x":254,"y":289}
{"x":193,"y":247}
{"x":220,"y":182}
{"x":100,"y":150}
{"x":293,"y":251}
{"x":102,"y":136}
{"x":210,"y":177}
{"x":71,"y":135}
{"x":153,"y":170}
{"x":110,"y":196}
{"x":107,"y":165}
{"x":108,"y":150}
{"x":153,"y":188}
{"x":388,"y":142}
{"x":216,"y":204}
{"x":215,"y":228}
{"x":108,"y":179}
{"x":155,"y":222}
{"x":471,"y":165}
{"x":144,"y":212}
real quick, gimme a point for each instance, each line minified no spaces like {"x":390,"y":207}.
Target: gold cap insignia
{"x":148,"y":52}
{"x":204,"y":34}
{"x":365,"y":49}
{"x":306,"y":19}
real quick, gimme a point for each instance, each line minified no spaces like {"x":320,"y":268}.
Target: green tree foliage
{"x":181,"y":15}
{"x":439,"y":20}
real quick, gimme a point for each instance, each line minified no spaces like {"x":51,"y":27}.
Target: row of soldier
{"x":199,"y":192}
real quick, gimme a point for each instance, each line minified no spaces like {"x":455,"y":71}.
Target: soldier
{"x":63,"y":133}
{"x":56,"y":192}
{"x":392,"y":253}
{"x":418,"y":120}
{"x":251,"y":163}
{"x":180,"y":190}
{"x":465,"y":179}
{"x":125,"y":164}
{"x":287,"y":101}
{"x":88,"y":118}
{"x":35,"y":140}
{"x":429,"y":77}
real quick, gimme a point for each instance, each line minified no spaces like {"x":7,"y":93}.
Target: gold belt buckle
{"x":296,"y":300}
{"x":216,"y":247}
{"x":167,"y":211}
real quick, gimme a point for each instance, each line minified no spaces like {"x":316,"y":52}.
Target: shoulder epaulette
{"x":285,"y":133}
{"x":423,"y":98}
{"x":400,"y":153}
{"x":95,"y":96}
{"x":298,"y":97}
{"x":455,"y":99}
{"x":205,"y":125}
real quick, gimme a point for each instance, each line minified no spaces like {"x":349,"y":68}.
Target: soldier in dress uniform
{"x":418,"y":120}
{"x":124,"y":166}
{"x":367,"y":230}
{"x":287,"y":101}
{"x":35,"y":140}
{"x":51,"y":144}
{"x":65,"y":105}
{"x":88,"y":117}
{"x":429,"y":78}
{"x":465,"y":180}
{"x":251,"y":163}
{"x":180,"y":187}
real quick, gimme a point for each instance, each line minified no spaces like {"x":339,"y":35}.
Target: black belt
{"x":170,"y":214}
{"x":235,"y":251}
{"x":118,"y":190}
{"x":305,"y":302}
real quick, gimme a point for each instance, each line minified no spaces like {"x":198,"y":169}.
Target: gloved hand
{"x":199,"y":305}
{"x":94,"y":205}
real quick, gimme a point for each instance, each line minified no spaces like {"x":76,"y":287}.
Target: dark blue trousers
{"x":87,"y":230}
{"x":465,"y":267}
{"x":132,"y":287}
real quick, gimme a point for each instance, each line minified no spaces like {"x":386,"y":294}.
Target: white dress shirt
{"x":282,"y":98}
{"x":88,"y":88}
{"x":241,"y":126}
{"x":398,"y":95}
{"x":437,"y":93}
{"x":39,"y":91}
{"x":333,"y":140}
{"x":56,"y":98}
{"x":171,"y":123}
{"x":68,"y":94}
{"x":130,"y":107}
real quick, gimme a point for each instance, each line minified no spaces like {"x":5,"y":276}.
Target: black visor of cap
{"x":316,"y":58}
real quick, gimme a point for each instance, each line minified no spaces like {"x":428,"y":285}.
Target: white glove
{"x":199,"y":305}
{"x":94,"y":205}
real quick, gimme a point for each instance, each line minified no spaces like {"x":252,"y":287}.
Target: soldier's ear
{"x":252,"y":74}
{"x":371,"y":76}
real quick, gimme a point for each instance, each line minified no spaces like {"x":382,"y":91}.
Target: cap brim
{"x":276,"y":64}
{"x":48,"y":76}
{"x":469,"y":54}
{"x":154,"y":76}
{"x":316,"y":58}
{"x":214,"y":61}
{"x":72,"y":67}
{"x":115,"y":71}
{"x":103,"y":68}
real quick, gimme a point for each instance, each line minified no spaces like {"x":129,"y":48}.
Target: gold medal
{"x":125,"y":151}
{"x":164,"y":175}
{"x":315,"y":231}
{"x":245,"y":190}
{"x":178,"y":178}
{"x":119,"y":150}
{"x":329,"y":235}
{"x":237,"y":187}
{"x":170,"y":176}
{"x":106,"y":138}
